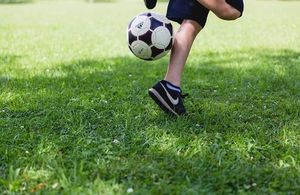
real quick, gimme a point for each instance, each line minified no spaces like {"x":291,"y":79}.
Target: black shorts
{"x":179,"y":10}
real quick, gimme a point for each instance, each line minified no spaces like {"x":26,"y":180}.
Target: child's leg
{"x":167,"y":93}
{"x":183,"y":41}
{"x":192,"y":17}
{"x":224,"y":9}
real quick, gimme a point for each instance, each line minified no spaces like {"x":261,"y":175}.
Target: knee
{"x":191,"y":27}
{"x":228,"y":13}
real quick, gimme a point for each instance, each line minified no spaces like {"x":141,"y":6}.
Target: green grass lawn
{"x":75,"y":116}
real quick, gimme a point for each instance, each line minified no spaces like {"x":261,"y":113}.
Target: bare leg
{"x":221,"y":9}
{"x":182,"y":45}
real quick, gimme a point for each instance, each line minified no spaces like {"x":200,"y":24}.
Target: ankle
{"x":171,"y":86}
{"x":176,"y":83}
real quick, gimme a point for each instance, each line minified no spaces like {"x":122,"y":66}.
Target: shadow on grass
{"x":15,"y":1}
{"x":92,"y":119}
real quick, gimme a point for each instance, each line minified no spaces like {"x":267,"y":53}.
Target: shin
{"x":183,"y":41}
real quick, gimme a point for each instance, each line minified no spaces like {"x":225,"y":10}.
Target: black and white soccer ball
{"x":150,"y":36}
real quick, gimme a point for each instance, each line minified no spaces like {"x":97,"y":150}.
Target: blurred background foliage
{"x":30,"y":1}
{"x":15,"y":1}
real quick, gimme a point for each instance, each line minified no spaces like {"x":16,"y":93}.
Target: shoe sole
{"x":161,"y":102}
{"x":149,"y":5}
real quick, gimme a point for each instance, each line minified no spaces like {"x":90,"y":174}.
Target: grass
{"x":75,"y":116}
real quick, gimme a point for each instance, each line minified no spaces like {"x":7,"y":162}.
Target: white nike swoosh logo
{"x":174,"y":101}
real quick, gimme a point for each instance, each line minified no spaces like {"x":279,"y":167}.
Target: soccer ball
{"x":150,"y":36}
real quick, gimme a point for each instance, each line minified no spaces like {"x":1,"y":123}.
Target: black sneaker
{"x":150,"y":4}
{"x":168,"y":100}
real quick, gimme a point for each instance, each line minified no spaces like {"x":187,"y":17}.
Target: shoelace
{"x":184,"y":95}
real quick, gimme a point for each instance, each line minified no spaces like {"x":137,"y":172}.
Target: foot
{"x":168,"y":99}
{"x":150,"y":4}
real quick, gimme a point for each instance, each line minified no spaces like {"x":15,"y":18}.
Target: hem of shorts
{"x":180,"y":20}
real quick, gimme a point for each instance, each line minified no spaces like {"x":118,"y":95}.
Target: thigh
{"x":224,"y":9}
{"x":217,"y":6}
{"x":213,"y":5}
